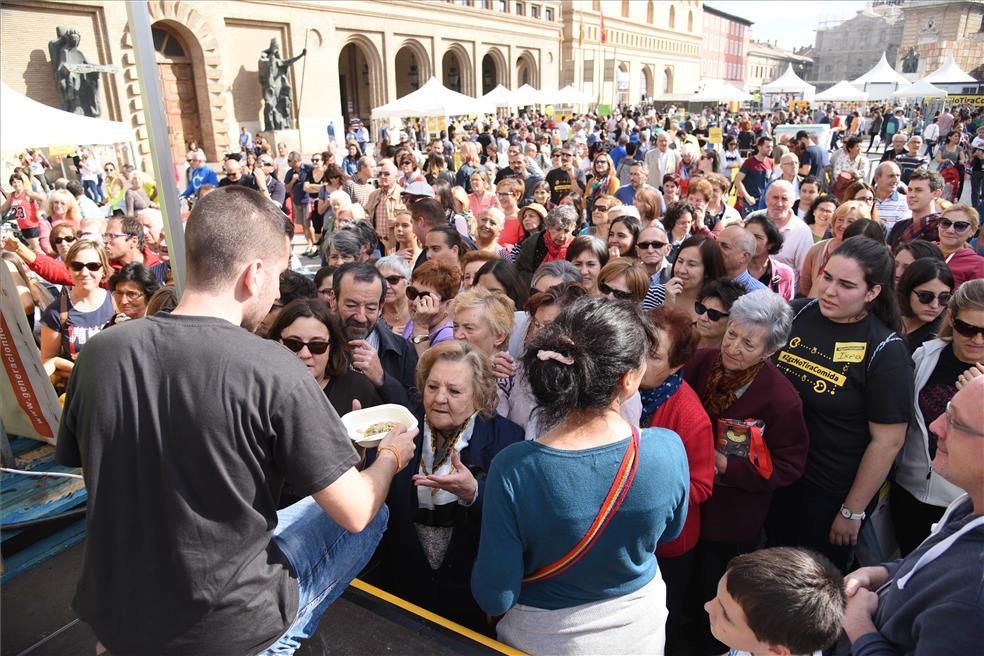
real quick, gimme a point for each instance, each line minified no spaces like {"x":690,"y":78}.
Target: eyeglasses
{"x":327,"y":291}
{"x":504,"y":194}
{"x":315,"y":347}
{"x":129,"y":296}
{"x":91,"y":266}
{"x":554,"y":155}
{"x":385,"y":174}
{"x":952,"y":424}
{"x":67,"y":239}
{"x":394,"y":280}
{"x":646,"y":245}
{"x":413,"y":294}
{"x":866,"y":199}
{"x":958,"y":226}
{"x":265,"y":163}
{"x":615,"y":293}
{"x":926,"y":298}
{"x":315,"y":160}
{"x":109,"y":236}
{"x":601,"y":208}
{"x":712,"y":314}
{"x":967,"y":329}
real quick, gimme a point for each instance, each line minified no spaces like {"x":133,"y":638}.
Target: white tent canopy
{"x":571,"y":96}
{"x":498,"y":97}
{"x":921,"y":89}
{"x":432,"y":99}
{"x":843,"y":91}
{"x":714,"y":90}
{"x":29,"y":124}
{"x":882,"y":73}
{"x":790,"y":82}
{"x":525,"y":95}
{"x":949,"y":73}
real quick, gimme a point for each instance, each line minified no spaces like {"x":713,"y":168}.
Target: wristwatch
{"x":419,"y":339}
{"x":847,"y":514}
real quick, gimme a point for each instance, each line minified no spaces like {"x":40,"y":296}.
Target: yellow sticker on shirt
{"x":849,"y":351}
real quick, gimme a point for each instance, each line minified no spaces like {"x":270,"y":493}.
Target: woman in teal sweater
{"x":544,"y":497}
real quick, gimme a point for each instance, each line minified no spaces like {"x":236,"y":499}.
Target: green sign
{"x":604,"y":110}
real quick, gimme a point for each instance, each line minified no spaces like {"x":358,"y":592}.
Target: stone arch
{"x":198,"y":35}
{"x":495,"y":71}
{"x":646,"y":79}
{"x":411,"y":67}
{"x":668,"y":80}
{"x":527,"y":71}
{"x":465,"y":70}
{"x":672,"y":19}
{"x":369,"y":80}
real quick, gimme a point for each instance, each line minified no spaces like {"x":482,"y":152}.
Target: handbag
{"x":609,"y":507}
{"x":745,"y":439}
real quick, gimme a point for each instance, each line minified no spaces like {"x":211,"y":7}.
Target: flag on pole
{"x":580,"y":36}
{"x":604,"y":36}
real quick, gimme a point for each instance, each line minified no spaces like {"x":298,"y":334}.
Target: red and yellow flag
{"x":604,"y":35}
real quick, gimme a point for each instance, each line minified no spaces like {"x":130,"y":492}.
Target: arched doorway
{"x":646,"y":81}
{"x":411,"y":67}
{"x":354,"y":84}
{"x":493,"y":71}
{"x":526,"y":72}
{"x":622,"y":84}
{"x":453,"y":71}
{"x":177,"y":79}
{"x":668,"y":80}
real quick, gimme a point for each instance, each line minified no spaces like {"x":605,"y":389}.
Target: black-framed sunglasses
{"x":91,"y":266}
{"x":926,"y":297}
{"x":394,"y":280}
{"x":646,"y":245}
{"x":413,"y":294}
{"x":967,"y":329}
{"x":959,"y":226}
{"x":67,"y":239}
{"x":316,"y":347}
{"x":712,"y":314}
{"x":600,"y":208}
{"x":614,"y":293}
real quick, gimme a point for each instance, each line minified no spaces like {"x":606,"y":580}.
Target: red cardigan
{"x":965,"y":265}
{"x":737,"y":510}
{"x":684,"y":414}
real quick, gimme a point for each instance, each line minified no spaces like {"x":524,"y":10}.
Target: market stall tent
{"x":881,"y":82}
{"x":571,"y":96}
{"x":29,"y":124}
{"x":498,"y":97}
{"x":790,"y":83}
{"x":949,"y":73}
{"x":525,"y":96}
{"x":714,"y":90}
{"x":843,"y":91}
{"x":921,"y":89}
{"x":432,"y":99}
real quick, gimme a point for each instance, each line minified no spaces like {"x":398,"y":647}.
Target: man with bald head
{"x":737,"y":248}
{"x":889,"y":203}
{"x":797,"y":236}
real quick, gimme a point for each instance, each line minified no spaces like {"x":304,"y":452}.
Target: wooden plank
{"x":26,"y":559}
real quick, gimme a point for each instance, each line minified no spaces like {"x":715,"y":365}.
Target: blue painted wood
{"x":24,"y":498}
{"x":32,"y":556}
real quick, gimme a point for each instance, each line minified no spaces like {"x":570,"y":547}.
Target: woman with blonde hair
{"x":61,"y":207}
{"x":819,"y":254}
{"x":469,"y":164}
{"x":481,"y":197}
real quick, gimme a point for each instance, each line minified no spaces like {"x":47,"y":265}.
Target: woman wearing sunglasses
{"x":82,"y":309}
{"x":433,"y":285}
{"x":62,"y":237}
{"x":310,"y":331}
{"x":396,"y":305}
{"x":959,"y":224}
{"x":923,"y":292}
{"x":920,"y":494}
{"x":623,"y":279}
{"x":713,"y":307}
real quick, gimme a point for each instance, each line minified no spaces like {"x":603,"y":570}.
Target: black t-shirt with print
{"x":560,"y":183}
{"x":847,"y":375}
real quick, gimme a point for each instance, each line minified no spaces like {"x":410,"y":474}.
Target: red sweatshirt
{"x":55,"y":271}
{"x":684,"y":414}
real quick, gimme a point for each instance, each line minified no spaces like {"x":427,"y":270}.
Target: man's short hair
{"x":226,"y":230}
{"x":74,"y":187}
{"x":791,"y":597}
{"x":763,"y":139}
{"x":430,"y":211}
{"x":933,"y":178}
{"x":130,"y":226}
{"x":360,"y":272}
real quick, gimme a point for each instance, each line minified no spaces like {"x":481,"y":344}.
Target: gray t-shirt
{"x":187,"y":428}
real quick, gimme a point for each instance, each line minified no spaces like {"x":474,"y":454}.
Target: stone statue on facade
{"x":275,"y":85}
{"x":76,"y":79}
{"x":910,"y":63}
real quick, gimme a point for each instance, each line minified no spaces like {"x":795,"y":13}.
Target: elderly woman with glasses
{"x":923,"y":292}
{"x":313,"y":333}
{"x":598,"y":218}
{"x":760,"y":436}
{"x":920,"y":494}
{"x":396,"y":305}
{"x":957,"y":226}
{"x":436,"y":503}
{"x":713,"y":307}
{"x":550,"y":244}
{"x":432,"y":287}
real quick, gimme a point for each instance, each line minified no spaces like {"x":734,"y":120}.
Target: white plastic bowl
{"x":358,"y":420}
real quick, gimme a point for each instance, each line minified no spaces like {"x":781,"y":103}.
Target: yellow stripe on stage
{"x":436,"y":619}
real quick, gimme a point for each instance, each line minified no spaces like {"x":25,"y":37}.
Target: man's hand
{"x":859,"y":614}
{"x":401,"y":439}
{"x":366,"y":360}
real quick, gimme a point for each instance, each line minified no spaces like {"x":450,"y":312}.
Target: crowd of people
{"x":673,"y":397}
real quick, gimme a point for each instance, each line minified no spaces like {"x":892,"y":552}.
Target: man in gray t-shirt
{"x":187,"y":427}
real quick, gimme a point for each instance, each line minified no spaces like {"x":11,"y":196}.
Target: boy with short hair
{"x":778,"y":602}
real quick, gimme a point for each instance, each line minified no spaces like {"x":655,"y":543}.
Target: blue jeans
{"x":325,"y":558}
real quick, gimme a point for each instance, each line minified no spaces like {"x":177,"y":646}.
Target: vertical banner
{"x":28,"y":404}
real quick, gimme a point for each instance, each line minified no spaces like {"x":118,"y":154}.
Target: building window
{"x":549,"y":14}
{"x":485,"y":4}
{"x":504,"y":6}
{"x":690,"y":22}
{"x":520,"y":9}
{"x":625,"y":8}
{"x":595,"y":5}
{"x":649,"y":12}
{"x":534,"y":11}
{"x":672,"y":21}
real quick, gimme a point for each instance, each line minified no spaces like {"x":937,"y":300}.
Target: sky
{"x":792,"y":23}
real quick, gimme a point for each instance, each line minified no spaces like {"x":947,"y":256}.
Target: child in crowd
{"x":778,"y":602}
